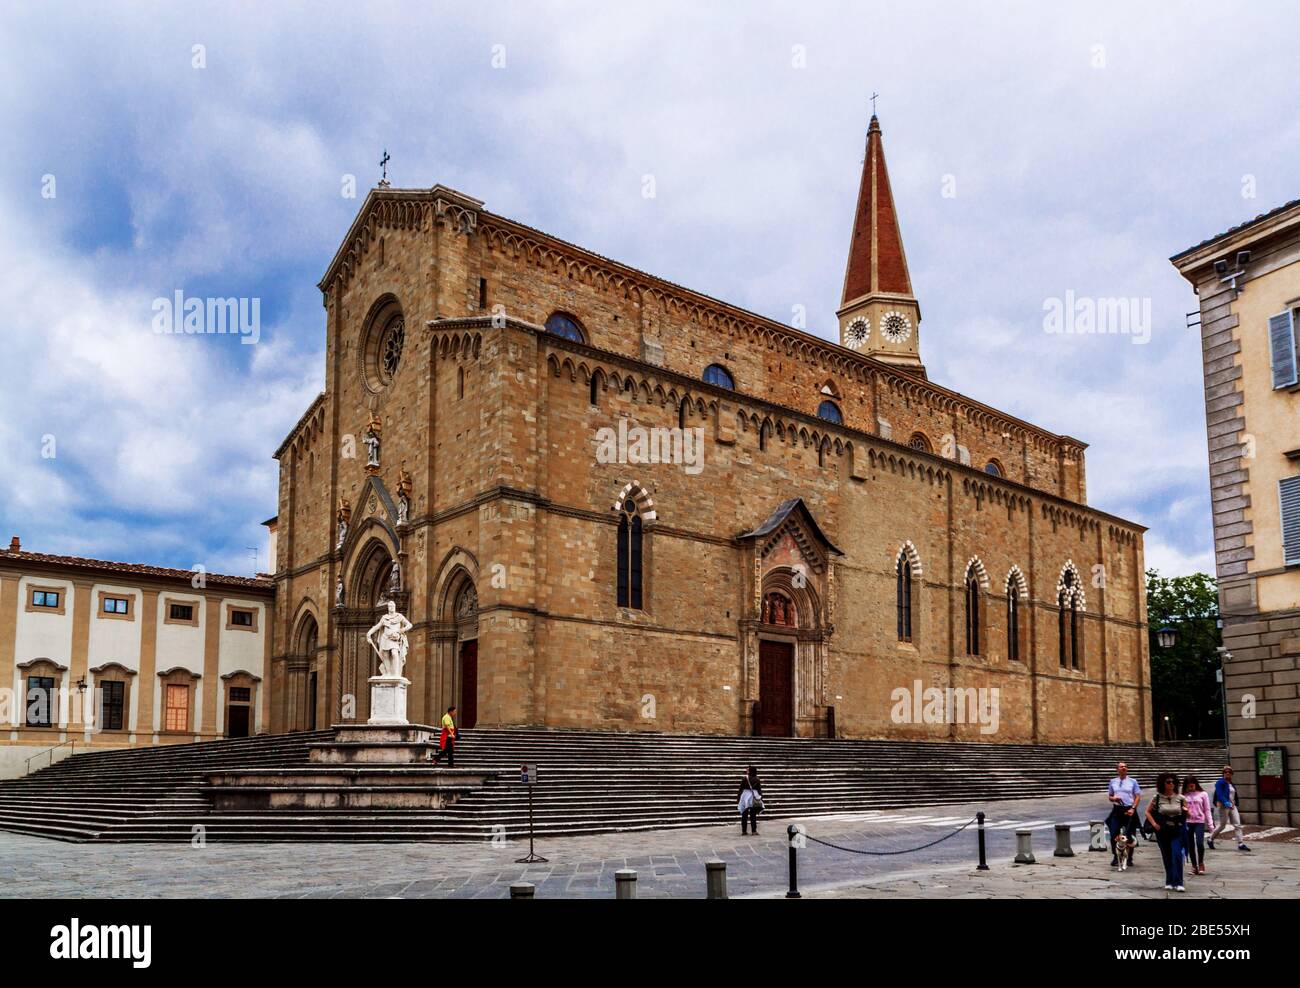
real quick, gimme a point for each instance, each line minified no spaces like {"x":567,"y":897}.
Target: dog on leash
{"x":1124,"y":845}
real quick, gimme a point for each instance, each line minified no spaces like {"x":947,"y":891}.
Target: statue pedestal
{"x":388,"y":700}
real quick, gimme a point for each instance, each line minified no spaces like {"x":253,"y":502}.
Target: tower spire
{"x":878,"y":312}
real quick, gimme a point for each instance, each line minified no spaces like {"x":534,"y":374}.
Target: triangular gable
{"x":793,"y":518}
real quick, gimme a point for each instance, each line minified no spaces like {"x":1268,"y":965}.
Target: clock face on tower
{"x":895,"y":327}
{"x":857,"y":331}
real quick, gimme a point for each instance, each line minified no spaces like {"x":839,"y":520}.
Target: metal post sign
{"x":528,"y":774}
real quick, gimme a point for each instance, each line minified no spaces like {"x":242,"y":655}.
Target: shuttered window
{"x":1281,"y":340}
{"x":1289,"y":489}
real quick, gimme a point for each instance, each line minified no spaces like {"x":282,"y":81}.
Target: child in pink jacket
{"x":1198,"y":819}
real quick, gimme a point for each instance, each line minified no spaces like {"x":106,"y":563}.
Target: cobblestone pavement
{"x":669,"y":863}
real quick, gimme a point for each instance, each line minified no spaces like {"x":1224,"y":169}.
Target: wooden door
{"x":311,"y":701}
{"x":237,"y":720}
{"x":775,"y":689}
{"x":468,"y":712}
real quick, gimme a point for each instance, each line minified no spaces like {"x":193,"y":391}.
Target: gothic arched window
{"x":1068,"y":621}
{"x":994,"y":468}
{"x":719,"y":376}
{"x":920,"y":442}
{"x":563,"y":324}
{"x":904,"y":600}
{"x":830,"y":411}
{"x":972,"y":615}
{"x":629,"y":555}
{"x":1013,"y":622}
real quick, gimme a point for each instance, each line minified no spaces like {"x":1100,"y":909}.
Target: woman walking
{"x":1167,"y":813}
{"x":749,"y":800}
{"x":1198,"y":819}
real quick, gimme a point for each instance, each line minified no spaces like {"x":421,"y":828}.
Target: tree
{"x":1184,"y":686}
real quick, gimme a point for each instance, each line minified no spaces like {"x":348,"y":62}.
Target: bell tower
{"x":879,"y":316}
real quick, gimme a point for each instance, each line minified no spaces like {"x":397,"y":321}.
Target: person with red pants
{"x":447,"y":739}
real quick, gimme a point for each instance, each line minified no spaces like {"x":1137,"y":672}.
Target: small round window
{"x":383,"y":344}
{"x":391,"y":342}
{"x":563,"y":324}
{"x":719,"y":376}
{"x":830,"y":411}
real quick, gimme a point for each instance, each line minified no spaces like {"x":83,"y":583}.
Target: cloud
{"x":1078,"y":159}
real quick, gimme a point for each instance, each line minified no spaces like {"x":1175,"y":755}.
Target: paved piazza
{"x":669,"y":863}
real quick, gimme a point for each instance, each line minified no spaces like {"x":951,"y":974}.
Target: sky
{"x":1037,"y":152}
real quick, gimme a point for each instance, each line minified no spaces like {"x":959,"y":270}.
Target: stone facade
{"x":1246,"y":279}
{"x":780,"y":553}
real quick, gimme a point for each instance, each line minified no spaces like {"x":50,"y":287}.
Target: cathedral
{"x":607,"y":501}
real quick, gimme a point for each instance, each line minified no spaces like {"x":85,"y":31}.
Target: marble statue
{"x":371,"y":439}
{"x":338,"y":594}
{"x":393,"y":644}
{"x":344,"y":514}
{"x":395,"y":577}
{"x":403,"y":508}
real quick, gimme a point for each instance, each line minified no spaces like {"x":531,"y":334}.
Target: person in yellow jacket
{"x":447,"y":739}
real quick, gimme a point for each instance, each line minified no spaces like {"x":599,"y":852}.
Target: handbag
{"x":758,"y":799}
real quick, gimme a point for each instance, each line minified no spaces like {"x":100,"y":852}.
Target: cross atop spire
{"x":383,"y":163}
{"x":874,"y":97}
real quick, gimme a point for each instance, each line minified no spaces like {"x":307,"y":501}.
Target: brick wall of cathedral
{"x":689,"y":333}
{"x":495,"y":426}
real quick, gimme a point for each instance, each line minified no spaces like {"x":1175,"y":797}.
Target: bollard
{"x":1063,"y":848}
{"x":522,"y":890}
{"x":1097,"y":836}
{"x":625,"y":883}
{"x":984,"y":864}
{"x":1024,"y":847}
{"x":716,"y":879}
{"x":792,"y":832}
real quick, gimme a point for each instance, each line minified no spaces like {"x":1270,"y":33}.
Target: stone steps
{"x":590,"y":782}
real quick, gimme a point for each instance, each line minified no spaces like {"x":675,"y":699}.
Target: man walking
{"x":1225,"y":797}
{"x":447,"y":740}
{"x":1125,"y":795}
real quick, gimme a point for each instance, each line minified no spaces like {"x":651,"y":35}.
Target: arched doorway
{"x":304,"y":662}
{"x":790,"y":651}
{"x":466,"y":618}
{"x":786,"y":635}
{"x":776,"y":656}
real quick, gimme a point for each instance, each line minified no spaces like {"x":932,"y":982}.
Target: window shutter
{"x":1289,"y":490}
{"x":1281,"y":338}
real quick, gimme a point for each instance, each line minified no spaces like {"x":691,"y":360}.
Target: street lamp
{"x":1167,"y":636}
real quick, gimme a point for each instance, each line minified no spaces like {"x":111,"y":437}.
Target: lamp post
{"x":1224,"y":656}
{"x":1166,"y":638}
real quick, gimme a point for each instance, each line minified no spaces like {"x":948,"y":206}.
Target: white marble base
{"x":388,"y":700}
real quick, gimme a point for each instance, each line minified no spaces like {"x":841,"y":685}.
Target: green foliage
{"x":1183,"y":683}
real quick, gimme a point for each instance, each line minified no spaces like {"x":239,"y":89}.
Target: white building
{"x":107,"y":654}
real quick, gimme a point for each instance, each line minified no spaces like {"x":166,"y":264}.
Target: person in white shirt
{"x":1125,"y":795}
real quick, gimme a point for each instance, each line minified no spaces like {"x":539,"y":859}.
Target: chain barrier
{"x":909,"y":850}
